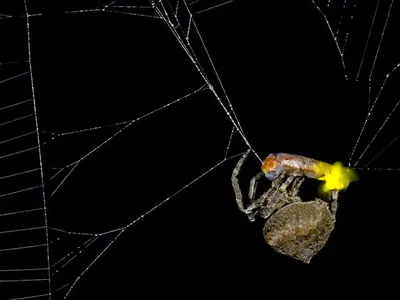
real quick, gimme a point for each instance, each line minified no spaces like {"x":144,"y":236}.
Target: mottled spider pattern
{"x":293,"y":228}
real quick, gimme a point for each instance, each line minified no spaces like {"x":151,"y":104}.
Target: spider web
{"x":96,"y":100}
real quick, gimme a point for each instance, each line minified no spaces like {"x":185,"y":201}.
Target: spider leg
{"x":278,"y":181}
{"x":253,"y":185}
{"x":253,"y":209}
{"x":277,"y":196}
{"x":288,"y":181}
{"x":235,"y":182}
{"x":276,"y":200}
{"x":334,"y":203}
{"x":296,"y":186}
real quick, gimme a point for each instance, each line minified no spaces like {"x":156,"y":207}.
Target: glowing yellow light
{"x":336,"y":176}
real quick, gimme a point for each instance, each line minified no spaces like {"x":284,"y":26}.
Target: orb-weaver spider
{"x":294,"y":228}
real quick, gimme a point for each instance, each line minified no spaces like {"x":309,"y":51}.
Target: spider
{"x":293,"y":228}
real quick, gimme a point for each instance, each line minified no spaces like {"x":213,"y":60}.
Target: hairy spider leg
{"x":274,"y":198}
{"x":288,"y":181}
{"x":253,"y":185}
{"x":235,"y":182}
{"x":334,"y":203}
{"x":296,"y":186}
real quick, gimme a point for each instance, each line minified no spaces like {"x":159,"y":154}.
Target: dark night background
{"x":284,"y":77}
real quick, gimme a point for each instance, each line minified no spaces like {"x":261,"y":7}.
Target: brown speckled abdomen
{"x":300,"y":229}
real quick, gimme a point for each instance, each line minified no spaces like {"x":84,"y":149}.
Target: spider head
{"x":270,"y":166}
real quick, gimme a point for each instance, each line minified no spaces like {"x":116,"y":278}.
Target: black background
{"x":284,"y":77}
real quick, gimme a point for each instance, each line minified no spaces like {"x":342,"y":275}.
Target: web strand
{"x":39,"y":147}
{"x":387,"y":77}
{"x":30,"y":297}
{"x":194,"y":60}
{"x":377,"y":133}
{"x":13,"y":77}
{"x":102,"y":10}
{"x":367,"y":42}
{"x":229,"y":142}
{"x":380,"y":40}
{"x":334,"y":39}
{"x":213,"y":7}
{"x":381,"y":152}
{"x":21,"y":212}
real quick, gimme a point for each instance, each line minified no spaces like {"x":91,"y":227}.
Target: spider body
{"x":294,"y":228}
{"x":300,"y":230}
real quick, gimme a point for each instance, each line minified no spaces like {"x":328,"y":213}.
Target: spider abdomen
{"x":300,"y":230}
